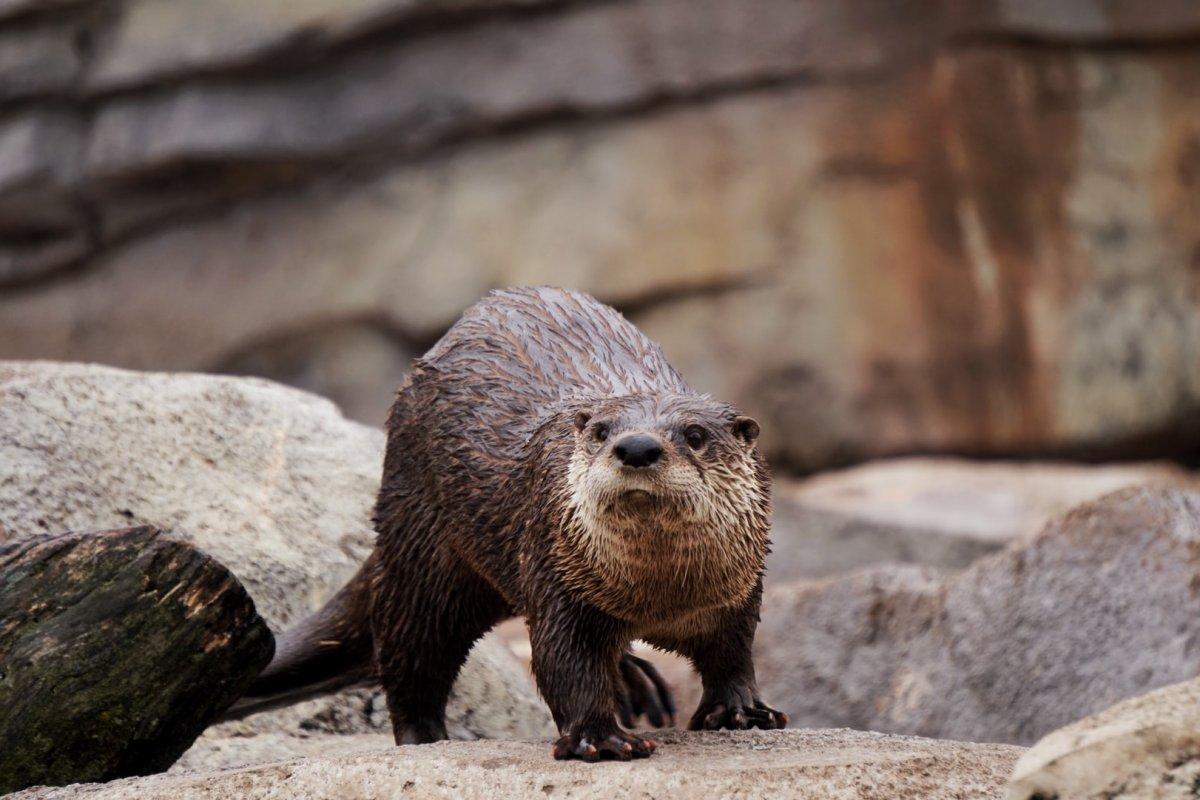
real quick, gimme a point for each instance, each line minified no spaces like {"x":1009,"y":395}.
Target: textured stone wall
{"x":880,"y":227}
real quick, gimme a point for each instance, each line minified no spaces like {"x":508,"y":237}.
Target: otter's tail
{"x":329,"y":650}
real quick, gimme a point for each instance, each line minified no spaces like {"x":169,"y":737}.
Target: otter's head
{"x":670,"y":486}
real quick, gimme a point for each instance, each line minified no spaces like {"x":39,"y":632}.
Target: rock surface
{"x":1100,"y":606}
{"x":1144,"y":748}
{"x":833,"y":765}
{"x":117,"y":648}
{"x":810,"y":171}
{"x":937,"y":512}
{"x":272,"y":482}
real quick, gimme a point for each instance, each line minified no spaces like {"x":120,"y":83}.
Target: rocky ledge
{"x":828,"y":764}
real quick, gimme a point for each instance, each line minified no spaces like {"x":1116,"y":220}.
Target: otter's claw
{"x":620,"y":746}
{"x":643,"y":691}
{"x":736,"y":716}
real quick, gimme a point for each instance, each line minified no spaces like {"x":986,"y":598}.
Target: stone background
{"x":963,"y":227}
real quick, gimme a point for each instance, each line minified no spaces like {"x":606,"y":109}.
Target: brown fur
{"x":502,"y":495}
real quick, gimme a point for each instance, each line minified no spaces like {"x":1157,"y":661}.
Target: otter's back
{"x":519,"y":353}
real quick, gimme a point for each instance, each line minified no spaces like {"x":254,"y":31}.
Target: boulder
{"x":117,"y":648}
{"x":824,"y":764}
{"x":1099,"y":606}
{"x":938,"y":512}
{"x":272,"y":482}
{"x":1144,"y":748}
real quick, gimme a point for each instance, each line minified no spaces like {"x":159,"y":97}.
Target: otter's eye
{"x":695,"y":436}
{"x":600,"y":432}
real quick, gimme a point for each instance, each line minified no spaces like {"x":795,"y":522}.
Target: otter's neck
{"x":666,"y":562}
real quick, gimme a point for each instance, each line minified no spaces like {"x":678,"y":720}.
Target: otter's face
{"x":681,"y":457}
{"x":668,"y":508}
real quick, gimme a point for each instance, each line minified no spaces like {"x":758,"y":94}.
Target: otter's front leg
{"x":723,"y":659}
{"x":576,"y":649}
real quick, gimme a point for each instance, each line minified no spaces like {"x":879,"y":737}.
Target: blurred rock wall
{"x":879,"y":226}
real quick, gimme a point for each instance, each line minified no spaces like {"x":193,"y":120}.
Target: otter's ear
{"x":746,"y":429}
{"x":582,"y":418}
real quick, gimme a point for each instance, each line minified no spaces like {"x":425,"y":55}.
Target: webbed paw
{"x":736,"y":710}
{"x":588,"y":746}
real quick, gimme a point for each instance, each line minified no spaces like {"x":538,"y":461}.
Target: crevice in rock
{"x":650,"y":300}
{"x":310,"y":49}
{"x":1181,"y":39}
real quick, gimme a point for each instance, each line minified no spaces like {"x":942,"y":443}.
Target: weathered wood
{"x":117,"y":648}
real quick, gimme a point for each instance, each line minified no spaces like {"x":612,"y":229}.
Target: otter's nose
{"x":638,"y":450}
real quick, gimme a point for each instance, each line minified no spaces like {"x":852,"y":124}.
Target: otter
{"x":544,"y":460}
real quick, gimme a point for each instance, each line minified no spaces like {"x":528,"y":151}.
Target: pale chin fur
{"x":707,"y":537}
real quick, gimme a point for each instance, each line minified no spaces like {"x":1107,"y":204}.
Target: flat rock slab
{"x":940,"y":512}
{"x":116,"y":650}
{"x":830,"y":765}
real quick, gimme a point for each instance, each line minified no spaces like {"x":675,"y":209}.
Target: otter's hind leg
{"x":428,"y":612}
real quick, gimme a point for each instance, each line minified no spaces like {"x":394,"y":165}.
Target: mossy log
{"x":117,"y":648}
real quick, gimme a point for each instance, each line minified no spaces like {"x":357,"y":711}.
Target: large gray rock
{"x":1144,"y":748}
{"x":817,"y":764}
{"x":937,"y":512}
{"x":1100,"y":606}
{"x":272,"y":482}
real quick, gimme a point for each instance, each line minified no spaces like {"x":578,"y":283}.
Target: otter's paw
{"x":736,"y":715}
{"x":643,"y":691}
{"x":588,"y":747}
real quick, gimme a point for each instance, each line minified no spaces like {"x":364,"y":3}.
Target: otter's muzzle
{"x":638,"y":450}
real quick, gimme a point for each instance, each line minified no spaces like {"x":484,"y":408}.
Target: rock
{"x":900,"y":279}
{"x":888,"y":331}
{"x":15,"y":9}
{"x":272,"y":482}
{"x":37,"y":61}
{"x":416,"y":245}
{"x":1144,"y":748}
{"x":154,"y":40}
{"x":826,"y":764}
{"x":939,"y":512}
{"x":1099,"y":606}
{"x":36,"y":158}
{"x":116,"y":650}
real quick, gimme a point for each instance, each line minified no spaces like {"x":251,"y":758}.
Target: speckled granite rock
{"x":1144,"y":748}
{"x":824,"y":765}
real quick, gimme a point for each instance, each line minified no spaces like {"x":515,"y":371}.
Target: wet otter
{"x":545,"y":460}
